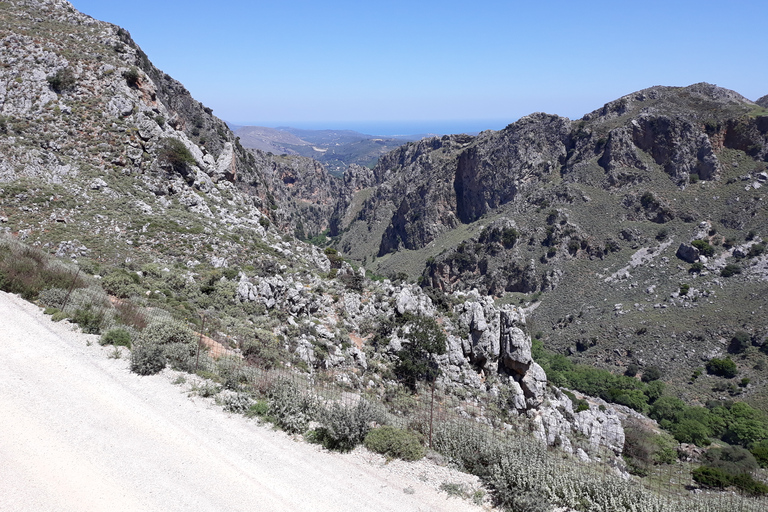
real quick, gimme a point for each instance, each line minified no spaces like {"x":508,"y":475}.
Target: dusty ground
{"x":79,"y":432}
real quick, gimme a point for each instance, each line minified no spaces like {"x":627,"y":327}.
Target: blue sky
{"x":408,"y":64}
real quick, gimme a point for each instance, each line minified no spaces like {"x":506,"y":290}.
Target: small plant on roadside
{"x":117,"y":337}
{"x":291,"y":409}
{"x":395,"y":442}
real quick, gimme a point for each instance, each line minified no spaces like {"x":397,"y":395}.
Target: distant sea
{"x":393,"y":128}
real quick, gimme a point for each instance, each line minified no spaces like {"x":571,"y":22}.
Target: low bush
{"x":289,"y":408}
{"x":730,"y":270}
{"x":170,"y":342}
{"x":729,"y":466}
{"x":89,"y":319}
{"x":28,"y":272}
{"x":53,"y":297}
{"x":705,"y":249}
{"x":132,"y":76}
{"x":147,"y":359}
{"x":231,"y":401}
{"x":259,"y":408}
{"x":233,"y":372}
{"x":344,"y":427}
{"x":760,"y":451}
{"x":651,"y":374}
{"x":722,"y":367}
{"x":395,"y":442}
{"x":62,"y":80}
{"x":119,"y":337}
{"x":121,"y":283}
{"x":740,"y":342}
{"x":173,"y":152}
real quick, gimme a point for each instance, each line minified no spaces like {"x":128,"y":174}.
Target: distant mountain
{"x":336,"y":149}
{"x":600,"y":219}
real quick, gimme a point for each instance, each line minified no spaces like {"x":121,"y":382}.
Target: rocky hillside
{"x":593,"y":220}
{"x":112,"y":164}
{"x":632,"y":239}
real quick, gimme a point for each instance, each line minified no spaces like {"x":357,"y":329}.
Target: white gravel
{"x":79,"y":432}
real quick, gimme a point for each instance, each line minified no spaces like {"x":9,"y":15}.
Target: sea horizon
{"x":391,"y":128}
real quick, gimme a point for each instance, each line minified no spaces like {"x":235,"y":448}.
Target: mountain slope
{"x":591,"y":213}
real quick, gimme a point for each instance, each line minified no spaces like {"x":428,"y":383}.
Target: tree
{"x":425,"y":339}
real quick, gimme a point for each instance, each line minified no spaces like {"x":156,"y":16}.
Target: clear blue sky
{"x":345,"y":63}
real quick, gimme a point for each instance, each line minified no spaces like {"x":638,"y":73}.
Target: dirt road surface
{"x":79,"y":432}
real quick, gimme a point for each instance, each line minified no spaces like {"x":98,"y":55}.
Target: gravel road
{"x":79,"y":432}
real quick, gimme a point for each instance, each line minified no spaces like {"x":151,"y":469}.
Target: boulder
{"x":515,"y":343}
{"x":687,"y":253}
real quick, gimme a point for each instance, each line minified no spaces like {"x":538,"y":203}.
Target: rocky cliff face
{"x":599,"y":204}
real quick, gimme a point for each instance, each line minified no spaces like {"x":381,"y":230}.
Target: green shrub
{"x":343,"y":427}
{"x":740,"y":342}
{"x":696,"y":267}
{"x":259,"y":408}
{"x":648,"y":200}
{"x":53,"y":297}
{"x":290,"y":409}
{"x":88,"y":319}
{"x":722,"y":367}
{"x":395,"y":442}
{"x":691,"y":431}
{"x":760,"y":451}
{"x":119,"y":337}
{"x":173,"y":152}
{"x":631,"y":370}
{"x":238,"y":403}
{"x":62,"y":80}
{"x":121,"y":284}
{"x":173,"y":343}
{"x":756,"y":250}
{"x":147,"y":359}
{"x":132,"y":76}
{"x":730,"y":270}
{"x":704,"y":248}
{"x":644,"y":448}
{"x":711,"y":477}
{"x":668,"y":408}
{"x":28,"y":272}
{"x":233,"y":372}
{"x":651,"y":373}
{"x":731,"y":459}
{"x":729,"y":466}
{"x":262,"y":350}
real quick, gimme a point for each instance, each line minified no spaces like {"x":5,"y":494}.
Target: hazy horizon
{"x":388,"y":128}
